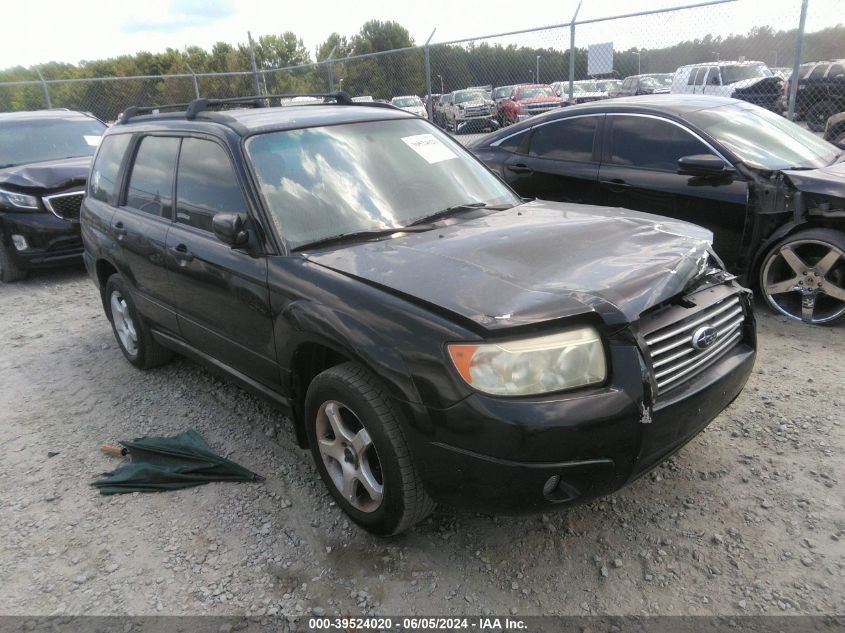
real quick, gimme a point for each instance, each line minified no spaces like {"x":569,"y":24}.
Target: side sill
{"x":242,"y":380}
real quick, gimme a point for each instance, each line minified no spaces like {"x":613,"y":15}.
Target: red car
{"x":525,"y":101}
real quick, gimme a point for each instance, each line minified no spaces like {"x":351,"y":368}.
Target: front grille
{"x":65,"y":205}
{"x":674,"y":357}
{"x":477,"y":110}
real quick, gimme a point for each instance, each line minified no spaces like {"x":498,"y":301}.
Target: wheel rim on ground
{"x":123,"y":324}
{"x":350,"y":456}
{"x":805,"y":280}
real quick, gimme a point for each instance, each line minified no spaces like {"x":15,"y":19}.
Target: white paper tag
{"x":429,"y":147}
{"x":93,"y":141}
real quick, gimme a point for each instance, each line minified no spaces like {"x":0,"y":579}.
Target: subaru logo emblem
{"x":704,"y":337}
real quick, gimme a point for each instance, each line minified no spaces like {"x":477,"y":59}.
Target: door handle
{"x":119,"y":230}
{"x":617,"y":184}
{"x":182,"y":254}
{"x":519,"y":168}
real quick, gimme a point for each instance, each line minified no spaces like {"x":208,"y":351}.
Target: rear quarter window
{"x":104,"y":173}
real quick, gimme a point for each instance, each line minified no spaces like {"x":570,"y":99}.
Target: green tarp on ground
{"x":171,"y":463}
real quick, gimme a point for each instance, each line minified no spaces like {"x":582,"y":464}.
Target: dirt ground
{"x":747,"y":519}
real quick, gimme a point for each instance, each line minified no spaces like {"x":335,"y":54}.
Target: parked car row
{"x":519,"y":336}
{"x":820,"y":91}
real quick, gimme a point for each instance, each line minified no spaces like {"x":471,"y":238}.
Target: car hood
{"x":825,"y":181}
{"x":758,"y":83}
{"x":474,"y":102}
{"x":535,"y":262}
{"x":54,"y":174}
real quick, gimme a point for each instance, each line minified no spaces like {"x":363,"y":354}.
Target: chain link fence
{"x":733,"y":48}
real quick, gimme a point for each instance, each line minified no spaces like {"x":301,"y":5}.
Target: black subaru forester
{"x":432,"y":336}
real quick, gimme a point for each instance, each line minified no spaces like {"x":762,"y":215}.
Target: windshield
{"x":469,"y":95}
{"x":322,"y":182}
{"x":502,"y":92}
{"x":656,"y":81}
{"x":733,"y":74}
{"x":407,"y":102}
{"x":38,"y":140}
{"x":763,"y":139}
{"x":533,"y":92}
{"x":585,"y":87}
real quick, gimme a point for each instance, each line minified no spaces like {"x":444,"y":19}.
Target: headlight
{"x":19,"y":200}
{"x":533,"y":366}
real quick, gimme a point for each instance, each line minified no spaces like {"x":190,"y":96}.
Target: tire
{"x":9,"y":271}
{"x":803,"y":276}
{"x":356,"y":438}
{"x":818,"y":114}
{"x":131,"y":332}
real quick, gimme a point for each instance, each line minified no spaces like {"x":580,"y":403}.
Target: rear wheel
{"x":9,"y":271}
{"x":803,"y":277}
{"x":131,"y":331}
{"x":818,"y":115}
{"x":356,"y":438}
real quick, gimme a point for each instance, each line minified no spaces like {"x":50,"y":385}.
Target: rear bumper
{"x":50,"y":240}
{"x":588,"y":446}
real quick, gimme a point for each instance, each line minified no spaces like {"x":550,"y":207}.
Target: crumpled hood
{"x":825,"y":181}
{"x":54,"y":174}
{"x":535,"y":262}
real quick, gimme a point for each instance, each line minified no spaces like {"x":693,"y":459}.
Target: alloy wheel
{"x":805,"y":280}
{"x":350,"y":456}
{"x":123,"y":324}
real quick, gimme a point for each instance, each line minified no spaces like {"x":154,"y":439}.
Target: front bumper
{"x":498,"y":455}
{"x":50,"y":240}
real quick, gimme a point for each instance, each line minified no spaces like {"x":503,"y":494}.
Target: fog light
{"x":20,"y":242}
{"x":550,"y":485}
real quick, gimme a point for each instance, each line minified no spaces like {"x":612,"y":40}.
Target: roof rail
{"x":133,"y":111}
{"x":196,"y":106}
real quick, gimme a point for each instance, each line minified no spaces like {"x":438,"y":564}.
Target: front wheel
{"x":803,"y":277}
{"x":356,"y":438}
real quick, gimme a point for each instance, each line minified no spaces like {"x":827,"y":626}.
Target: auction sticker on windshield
{"x":429,"y":147}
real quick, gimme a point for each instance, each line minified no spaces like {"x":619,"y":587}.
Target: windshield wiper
{"x":360,"y":236}
{"x":469,"y":206}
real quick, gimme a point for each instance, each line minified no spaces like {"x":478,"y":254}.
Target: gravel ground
{"x":747,"y":519}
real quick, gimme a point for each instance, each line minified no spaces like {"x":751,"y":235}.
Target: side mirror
{"x":703,"y":165}
{"x":229,"y":229}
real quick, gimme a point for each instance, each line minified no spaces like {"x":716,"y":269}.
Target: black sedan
{"x":772,"y":193}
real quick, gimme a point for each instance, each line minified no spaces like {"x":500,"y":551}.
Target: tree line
{"x":452,"y":66}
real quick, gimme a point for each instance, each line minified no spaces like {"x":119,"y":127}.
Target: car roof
{"x":722,"y":62}
{"x":678,"y":104}
{"x":246,"y":121}
{"x":57,"y":113}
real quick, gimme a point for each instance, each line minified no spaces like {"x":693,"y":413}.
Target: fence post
{"x":427,"y":62}
{"x":330,"y":68}
{"x":46,"y":89}
{"x":194,"y":80}
{"x":572,"y":52}
{"x":252,"y":62}
{"x":799,"y":41}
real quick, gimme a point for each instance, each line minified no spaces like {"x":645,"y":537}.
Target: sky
{"x":94,"y":29}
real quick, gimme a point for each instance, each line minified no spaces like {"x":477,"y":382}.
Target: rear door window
{"x":151,"y":181}
{"x":103,"y":184}
{"x":567,"y":139}
{"x":651,"y":143}
{"x":206,"y":184}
